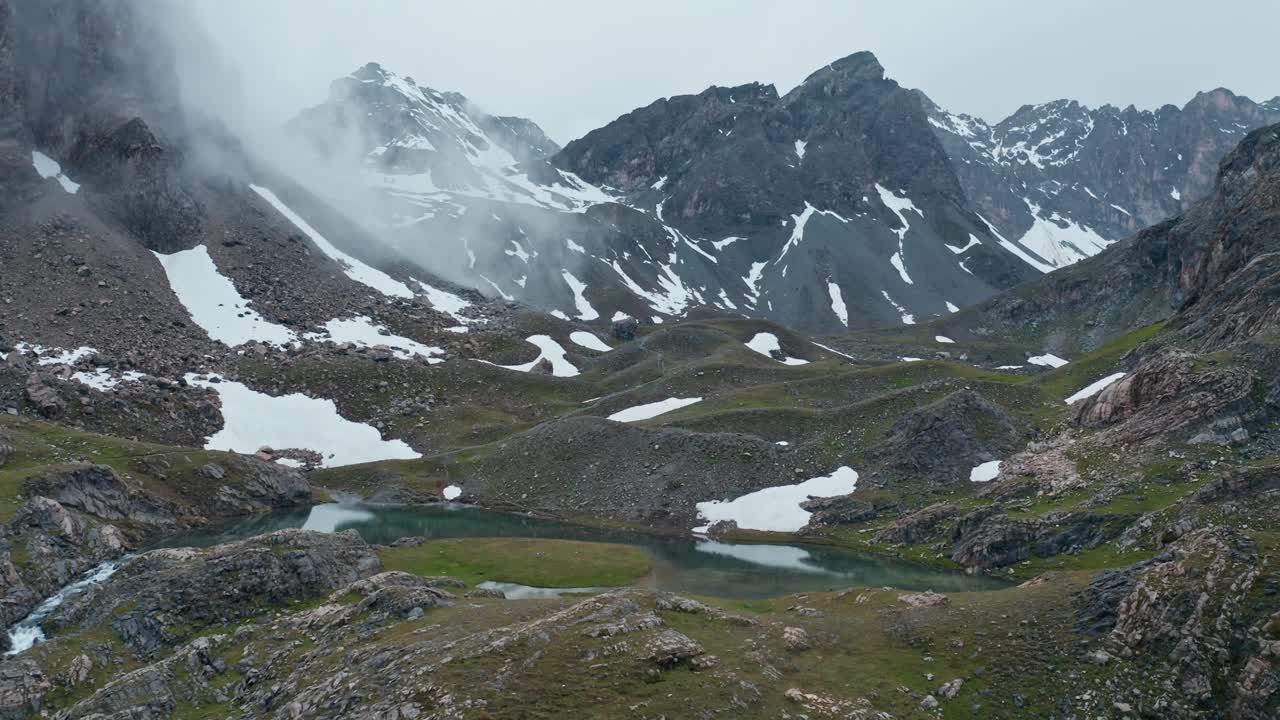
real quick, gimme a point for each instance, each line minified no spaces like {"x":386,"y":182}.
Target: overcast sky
{"x":574,"y":65}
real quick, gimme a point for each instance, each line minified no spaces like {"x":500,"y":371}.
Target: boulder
{"x":925,"y":599}
{"x":624,"y":328}
{"x":46,"y":399}
{"x":669,"y":647}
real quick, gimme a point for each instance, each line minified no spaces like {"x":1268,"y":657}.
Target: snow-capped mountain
{"x":1067,"y":180}
{"x":848,"y":202}
{"x":830,"y":207}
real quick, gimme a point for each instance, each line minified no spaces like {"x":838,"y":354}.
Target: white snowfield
{"x":251,"y":419}
{"x":551,"y":350}
{"x":944,"y":339}
{"x":986,"y":472}
{"x":354,"y":269}
{"x":777,"y":509}
{"x":1047,"y":360}
{"x":588,"y":341}
{"x":46,"y":167}
{"x":214,"y":303}
{"x":452,"y":492}
{"x":446,"y":302}
{"x":837,"y":303}
{"x":1095,"y":388}
{"x":767,"y":343}
{"x":1059,"y":240}
{"x":360,"y":330}
{"x":653,"y":409}
{"x":585,"y":311}
{"x":219,"y":309}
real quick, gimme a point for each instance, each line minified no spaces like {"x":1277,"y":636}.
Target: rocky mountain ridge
{"x":1069,"y":180}
{"x":696,"y":200}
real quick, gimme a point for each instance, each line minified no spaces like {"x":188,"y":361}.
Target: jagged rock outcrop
{"x":1178,"y":270}
{"x":80,"y":516}
{"x":941,"y":442}
{"x":44,"y":547}
{"x":919,"y":526}
{"x":1186,"y":621}
{"x":1170,"y":393}
{"x":160,"y":598}
{"x":1063,"y":175}
{"x":988,"y":538}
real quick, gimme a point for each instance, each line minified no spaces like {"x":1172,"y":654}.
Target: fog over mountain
{"x":396,"y":360}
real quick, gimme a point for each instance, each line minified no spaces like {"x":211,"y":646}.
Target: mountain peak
{"x":861,"y":65}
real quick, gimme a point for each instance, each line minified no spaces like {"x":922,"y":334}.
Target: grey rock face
{"x":948,"y":438}
{"x":1068,"y":168}
{"x":169,"y":593}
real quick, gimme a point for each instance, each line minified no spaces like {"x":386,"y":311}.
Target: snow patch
{"x":837,"y":303}
{"x":899,"y":206}
{"x":767,"y":343}
{"x":1094,"y":388}
{"x":102,"y":379}
{"x":797,"y":232}
{"x":653,"y":409}
{"x":452,"y":492}
{"x":214,"y":303}
{"x":251,"y":419}
{"x":46,"y":167}
{"x":1047,"y":360}
{"x":973,"y":240}
{"x":944,"y":339}
{"x":362,"y":331}
{"x":1060,"y":241}
{"x":777,"y":509}
{"x":551,"y":350}
{"x":585,"y":311}
{"x":445,"y":302}
{"x":986,"y":472}
{"x":588,"y":341}
{"x":800,"y":145}
{"x":907,"y":318}
{"x":833,"y":350}
{"x":354,"y":269}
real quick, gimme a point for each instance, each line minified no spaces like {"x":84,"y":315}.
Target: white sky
{"x":574,"y":65}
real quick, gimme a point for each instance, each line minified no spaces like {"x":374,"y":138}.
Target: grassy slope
{"x":42,"y":447}
{"x":526,"y":561}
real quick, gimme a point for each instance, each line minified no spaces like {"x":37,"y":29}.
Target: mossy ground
{"x":525,"y":561}
{"x":42,"y":447}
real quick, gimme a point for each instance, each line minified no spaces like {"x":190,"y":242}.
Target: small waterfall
{"x":26,"y":633}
